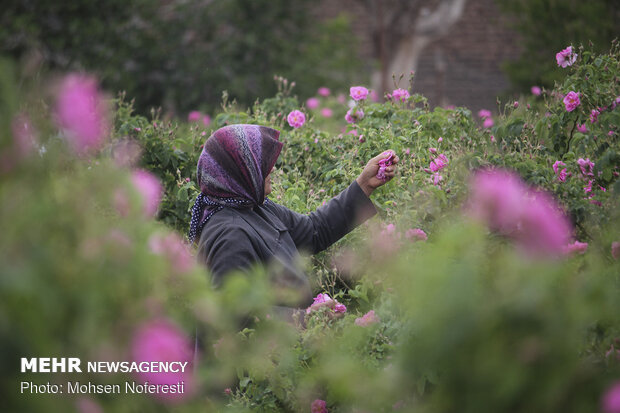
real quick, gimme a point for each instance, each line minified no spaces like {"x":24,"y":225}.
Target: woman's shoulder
{"x":225,"y":219}
{"x":226,"y":222}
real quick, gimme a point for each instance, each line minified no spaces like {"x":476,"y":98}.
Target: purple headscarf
{"x":232,"y":169}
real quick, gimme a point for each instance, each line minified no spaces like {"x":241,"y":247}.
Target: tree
{"x":401,"y":29}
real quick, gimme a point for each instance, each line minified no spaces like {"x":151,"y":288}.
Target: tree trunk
{"x":427,"y":28}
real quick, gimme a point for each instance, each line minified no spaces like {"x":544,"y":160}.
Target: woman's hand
{"x":368,"y":180}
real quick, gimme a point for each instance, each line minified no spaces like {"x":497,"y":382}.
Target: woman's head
{"x":235,"y":162}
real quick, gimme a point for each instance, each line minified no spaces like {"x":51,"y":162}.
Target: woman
{"x":236,"y":227}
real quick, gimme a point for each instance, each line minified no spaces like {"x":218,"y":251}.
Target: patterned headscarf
{"x":232,"y":169}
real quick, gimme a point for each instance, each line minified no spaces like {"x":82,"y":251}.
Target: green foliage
{"x":182,"y":55}
{"x":464,"y":320}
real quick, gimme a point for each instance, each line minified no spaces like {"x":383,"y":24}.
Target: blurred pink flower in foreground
{"x":172,"y":247}
{"x":150,"y":188}
{"x":536,"y":90}
{"x":400,"y":95}
{"x":126,"y":153}
{"x":367,"y":319}
{"x":610,"y":403}
{"x":323,"y":91}
{"x":318,"y":406}
{"x":81,"y":112}
{"x":507,"y":205}
{"x":296,"y":119}
{"x":327,"y":112}
{"x":358,"y":92}
{"x":312,"y":103}
{"x":416,"y":234}
{"x":566,"y":57}
{"x":615,"y":250}
{"x":576,"y":247}
{"x":571,"y":101}
{"x":161,"y":341}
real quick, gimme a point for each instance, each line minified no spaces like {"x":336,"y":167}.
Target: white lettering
{"x":44,"y":365}
{"x":74,"y":365}
{"x":29,"y":365}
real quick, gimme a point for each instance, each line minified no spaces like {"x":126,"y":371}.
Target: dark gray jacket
{"x":235,"y":239}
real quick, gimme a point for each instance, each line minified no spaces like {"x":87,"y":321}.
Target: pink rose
{"x":610,"y":402}
{"x":296,"y":119}
{"x":400,"y":95}
{"x":576,"y":247}
{"x":439,"y":163}
{"x":206,"y":120}
{"x":352,"y":118}
{"x":194,"y":116}
{"x":358,"y":92}
{"x":507,"y":205}
{"x":488,"y":123}
{"x":150,"y":189}
{"x":582,"y":128}
{"x":536,"y":90}
{"x":556,"y":166}
{"x":318,"y":406}
{"x":571,"y":101}
{"x":416,"y":234}
{"x":484,"y":113}
{"x":161,"y":341}
{"x":594,"y":115}
{"x":82,"y":113}
{"x":323,"y":91}
{"x":586,"y":166}
{"x":566,"y":57}
{"x":327,"y":112}
{"x":324,"y":300}
{"x":367,"y":319}
{"x":312,"y":103}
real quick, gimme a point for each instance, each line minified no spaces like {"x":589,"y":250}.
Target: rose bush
{"x":473,"y":290}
